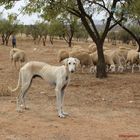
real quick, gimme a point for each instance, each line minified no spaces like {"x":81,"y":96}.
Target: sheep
{"x":77,"y":47}
{"x":122,"y":53}
{"x":63,"y":54}
{"x":133,"y":57}
{"x":108,"y":60}
{"x":92,"y":48}
{"x":116,"y":59}
{"x":17,"y":55}
{"x":12,"y":51}
{"x":83,"y":56}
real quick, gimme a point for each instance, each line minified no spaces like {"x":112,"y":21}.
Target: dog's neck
{"x":67,"y":71}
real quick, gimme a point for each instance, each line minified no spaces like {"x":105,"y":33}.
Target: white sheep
{"x":92,"y":48}
{"x":108,"y":60}
{"x":77,"y":47}
{"x":83,"y":56}
{"x":116,"y":59}
{"x":62,"y":54}
{"x":17,"y":55}
{"x":133,"y":58}
{"x":122,"y":53}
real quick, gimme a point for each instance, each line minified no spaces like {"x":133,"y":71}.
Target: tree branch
{"x":129,"y":31}
{"x":85,"y":22}
{"x":116,"y":22}
{"x":109,"y":20}
{"x":74,"y":12}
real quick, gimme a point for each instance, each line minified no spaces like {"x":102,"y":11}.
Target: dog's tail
{"x":15,"y":89}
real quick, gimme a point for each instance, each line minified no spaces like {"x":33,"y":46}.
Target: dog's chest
{"x":63,"y":80}
{"x":56,"y":76}
{"x":66,"y":79}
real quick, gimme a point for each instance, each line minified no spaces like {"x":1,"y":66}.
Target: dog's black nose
{"x":72,"y":71}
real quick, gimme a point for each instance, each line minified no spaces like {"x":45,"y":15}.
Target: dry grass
{"x":4,"y":90}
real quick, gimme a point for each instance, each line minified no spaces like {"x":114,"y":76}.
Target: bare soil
{"x":99,"y":109}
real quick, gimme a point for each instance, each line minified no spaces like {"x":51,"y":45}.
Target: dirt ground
{"x":107,"y":109}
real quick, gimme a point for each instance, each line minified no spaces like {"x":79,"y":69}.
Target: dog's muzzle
{"x":72,"y":71}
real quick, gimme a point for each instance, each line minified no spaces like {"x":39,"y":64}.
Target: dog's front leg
{"x":59,"y":103}
{"x":62,"y":99}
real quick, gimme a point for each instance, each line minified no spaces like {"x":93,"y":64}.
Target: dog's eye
{"x":69,"y":63}
{"x":74,"y":63}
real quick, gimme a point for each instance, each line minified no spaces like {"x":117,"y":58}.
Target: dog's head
{"x":71,"y":63}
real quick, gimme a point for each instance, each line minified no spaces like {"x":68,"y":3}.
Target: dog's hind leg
{"x":25,"y":84}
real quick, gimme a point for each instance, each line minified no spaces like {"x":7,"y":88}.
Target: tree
{"x":42,"y":31}
{"x":112,"y":37}
{"x":129,"y":11}
{"x":124,"y":36}
{"x":85,"y":11}
{"x":55,"y":28}
{"x":33,"y":31}
{"x":81,"y":32}
{"x":69,"y":23}
{"x":7,"y":28}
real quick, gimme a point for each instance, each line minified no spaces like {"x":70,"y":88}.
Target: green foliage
{"x":8,"y":4}
{"x":56,"y":28}
{"x":134,"y":8}
{"x":80,"y":32}
{"x":124,"y":36}
{"x":37,"y":30}
{"x":8,"y":26}
{"x":136,"y":30}
{"x":112,"y":35}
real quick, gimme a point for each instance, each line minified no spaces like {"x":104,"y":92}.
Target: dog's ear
{"x":65,"y":61}
{"x":77,"y":61}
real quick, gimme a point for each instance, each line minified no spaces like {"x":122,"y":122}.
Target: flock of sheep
{"x":117,"y":60}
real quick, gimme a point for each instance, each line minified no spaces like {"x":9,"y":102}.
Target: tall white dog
{"x":56,"y":75}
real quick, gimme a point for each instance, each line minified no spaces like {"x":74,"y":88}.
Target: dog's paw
{"x":19,"y":110}
{"x":65,"y":113}
{"x":24,"y":107}
{"x":61,"y":115}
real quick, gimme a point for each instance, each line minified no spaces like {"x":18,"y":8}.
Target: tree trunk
{"x":40,"y":37}
{"x":34,"y":40}
{"x":101,"y":66}
{"x":51,"y":39}
{"x":7,"y":40}
{"x":3,"y":39}
{"x":44,"y":41}
{"x":70,"y":42}
{"x":138,"y":45}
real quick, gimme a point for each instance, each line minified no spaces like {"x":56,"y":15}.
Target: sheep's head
{"x":112,"y":68}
